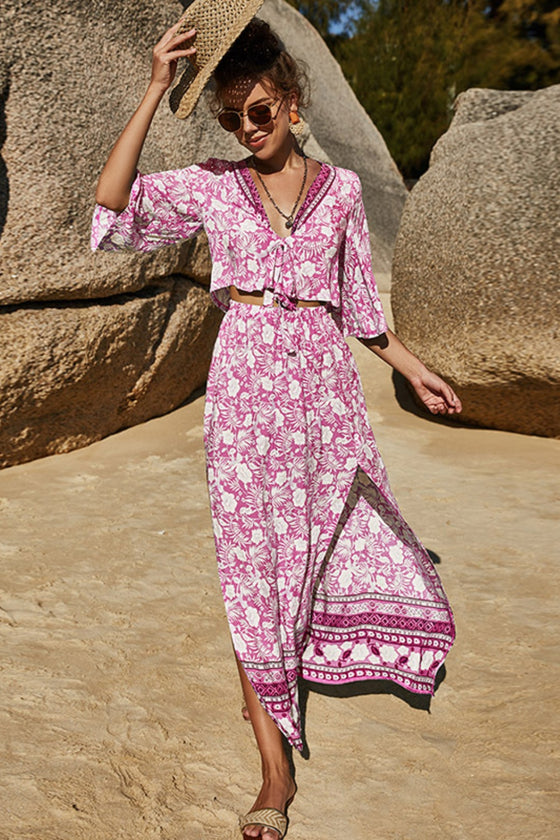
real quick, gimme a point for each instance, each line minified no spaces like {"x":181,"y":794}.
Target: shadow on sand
{"x":358,"y":689}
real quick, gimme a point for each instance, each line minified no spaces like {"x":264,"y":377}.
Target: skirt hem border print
{"x":321,"y":576}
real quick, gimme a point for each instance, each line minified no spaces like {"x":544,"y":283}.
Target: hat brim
{"x":211,"y":46}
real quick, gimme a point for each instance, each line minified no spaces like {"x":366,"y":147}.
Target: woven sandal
{"x":267,"y":818}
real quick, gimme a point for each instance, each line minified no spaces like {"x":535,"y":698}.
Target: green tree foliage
{"x":538,"y":21}
{"x":324,"y":13}
{"x":536,"y":26}
{"x":408,"y":59}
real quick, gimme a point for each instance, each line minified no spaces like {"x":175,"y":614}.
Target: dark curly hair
{"x":258,"y":53}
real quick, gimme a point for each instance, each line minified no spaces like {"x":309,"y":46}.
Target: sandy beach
{"x":120,"y":705}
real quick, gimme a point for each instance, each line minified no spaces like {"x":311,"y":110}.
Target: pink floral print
{"x":321,"y":576}
{"x":326,"y":257}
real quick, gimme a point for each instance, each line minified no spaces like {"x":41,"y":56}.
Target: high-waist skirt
{"x":321,"y":576}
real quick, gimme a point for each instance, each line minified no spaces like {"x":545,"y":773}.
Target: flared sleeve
{"x":361,"y":312}
{"x":163,"y":208}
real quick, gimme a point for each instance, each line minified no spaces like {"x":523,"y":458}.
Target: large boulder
{"x":71,"y":74}
{"x":82,"y":368}
{"x":477,"y":260}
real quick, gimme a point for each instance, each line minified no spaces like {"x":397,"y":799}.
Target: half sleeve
{"x":163,"y":208}
{"x":361,"y":313}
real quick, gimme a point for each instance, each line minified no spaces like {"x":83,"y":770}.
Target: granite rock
{"x":85,"y":369}
{"x":477,"y":260}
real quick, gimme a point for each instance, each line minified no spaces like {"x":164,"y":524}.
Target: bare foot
{"x":276,"y":792}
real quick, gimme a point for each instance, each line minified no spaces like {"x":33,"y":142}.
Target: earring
{"x":297,"y":124}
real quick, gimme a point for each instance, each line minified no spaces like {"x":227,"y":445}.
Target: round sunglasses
{"x":260,"y":114}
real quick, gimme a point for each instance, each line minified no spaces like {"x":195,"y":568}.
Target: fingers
{"x":436,"y":407}
{"x":171,"y":41}
{"x":174,"y":34}
{"x":452,"y":401}
{"x":457,"y":404}
{"x":167,"y":51}
{"x":438,"y":396}
{"x":173,"y":56}
{"x":445,"y":406}
{"x":441,"y":400}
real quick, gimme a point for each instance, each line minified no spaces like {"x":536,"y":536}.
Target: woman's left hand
{"x":430,"y":388}
{"x":435,"y":393}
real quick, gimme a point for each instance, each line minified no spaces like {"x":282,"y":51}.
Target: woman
{"x":321,"y":576}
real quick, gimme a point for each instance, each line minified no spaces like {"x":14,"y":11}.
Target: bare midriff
{"x":257,"y":298}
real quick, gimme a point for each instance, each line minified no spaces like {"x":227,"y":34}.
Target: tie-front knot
{"x":282,"y":243}
{"x":283,"y":271}
{"x":279,"y":246}
{"x":285,"y":302}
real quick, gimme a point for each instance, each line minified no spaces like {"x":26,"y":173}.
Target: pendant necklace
{"x":289,"y":218}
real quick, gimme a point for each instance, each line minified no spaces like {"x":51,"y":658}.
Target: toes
{"x":261,"y":831}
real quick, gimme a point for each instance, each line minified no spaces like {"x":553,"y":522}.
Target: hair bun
{"x":254,"y":51}
{"x":259,"y":53}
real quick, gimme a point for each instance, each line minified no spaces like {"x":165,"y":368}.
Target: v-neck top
{"x":315,"y":187}
{"x":325,"y":257}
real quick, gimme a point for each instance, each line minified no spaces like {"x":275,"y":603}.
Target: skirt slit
{"x":321,"y":576}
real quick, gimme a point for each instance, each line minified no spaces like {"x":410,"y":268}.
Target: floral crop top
{"x":326,"y":255}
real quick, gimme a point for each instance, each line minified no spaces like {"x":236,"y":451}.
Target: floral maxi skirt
{"x":321,"y":576}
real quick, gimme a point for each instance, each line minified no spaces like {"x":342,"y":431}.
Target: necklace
{"x":289,"y":218}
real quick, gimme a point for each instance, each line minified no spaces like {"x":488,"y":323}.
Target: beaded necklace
{"x":288,"y":217}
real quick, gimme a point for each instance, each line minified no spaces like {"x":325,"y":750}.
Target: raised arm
{"x":115,"y":181}
{"x":431,"y":389}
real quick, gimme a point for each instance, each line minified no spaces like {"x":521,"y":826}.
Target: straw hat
{"x":217,"y":24}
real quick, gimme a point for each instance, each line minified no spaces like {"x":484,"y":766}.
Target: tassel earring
{"x":297,"y":124}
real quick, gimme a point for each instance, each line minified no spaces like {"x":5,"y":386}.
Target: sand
{"x":119,"y":704}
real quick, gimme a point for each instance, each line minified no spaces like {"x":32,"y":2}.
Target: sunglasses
{"x":260,"y":114}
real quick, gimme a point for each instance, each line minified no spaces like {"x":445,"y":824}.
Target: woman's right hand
{"x":165,"y":54}
{"x":115,"y":181}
